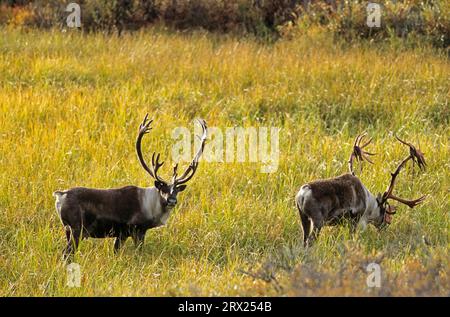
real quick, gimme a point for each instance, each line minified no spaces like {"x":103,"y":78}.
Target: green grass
{"x":70,"y":107}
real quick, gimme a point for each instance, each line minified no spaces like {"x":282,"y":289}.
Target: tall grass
{"x":70,"y":106}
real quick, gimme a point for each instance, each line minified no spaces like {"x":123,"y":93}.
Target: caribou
{"x":330,"y":201}
{"x":127,"y":211}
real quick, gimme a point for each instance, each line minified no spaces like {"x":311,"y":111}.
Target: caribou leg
{"x":138,"y":239}
{"x":120,"y":240}
{"x":73,"y":238}
{"x":306,"y":224}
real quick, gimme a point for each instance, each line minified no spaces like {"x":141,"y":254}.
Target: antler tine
{"x":404,"y":142}
{"x":192,"y":168}
{"x":410,"y":203}
{"x":144,"y":127}
{"x":365,"y":157}
{"x":358,"y":153}
{"x":175,"y":170}
{"x":366,"y":144}
{"x":362,"y":137}
{"x":358,"y":138}
{"x":145,"y":118}
{"x":156,"y":164}
{"x":416,"y":155}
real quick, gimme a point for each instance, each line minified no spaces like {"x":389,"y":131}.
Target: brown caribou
{"x":328,"y":201}
{"x":127,"y":211}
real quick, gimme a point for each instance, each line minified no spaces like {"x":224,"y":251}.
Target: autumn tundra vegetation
{"x":72,"y":99}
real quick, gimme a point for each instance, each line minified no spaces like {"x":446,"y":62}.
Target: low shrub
{"x":264,"y":18}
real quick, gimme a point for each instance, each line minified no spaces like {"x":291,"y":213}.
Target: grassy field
{"x":70,"y":107}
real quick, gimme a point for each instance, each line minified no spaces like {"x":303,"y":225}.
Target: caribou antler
{"x":190,"y":171}
{"x":416,"y":156}
{"x":144,"y":128}
{"x":358,"y":152}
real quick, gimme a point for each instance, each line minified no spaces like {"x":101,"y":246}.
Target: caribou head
{"x":168,"y":189}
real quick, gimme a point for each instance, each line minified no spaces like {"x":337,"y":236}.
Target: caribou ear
{"x":391,"y":209}
{"x":379,"y":198}
{"x":181,"y":188}
{"x":159,"y":185}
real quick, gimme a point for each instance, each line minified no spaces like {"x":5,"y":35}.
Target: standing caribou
{"x":127,"y":211}
{"x":328,"y":201}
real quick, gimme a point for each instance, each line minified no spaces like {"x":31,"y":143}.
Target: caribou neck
{"x":153,"y":204}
